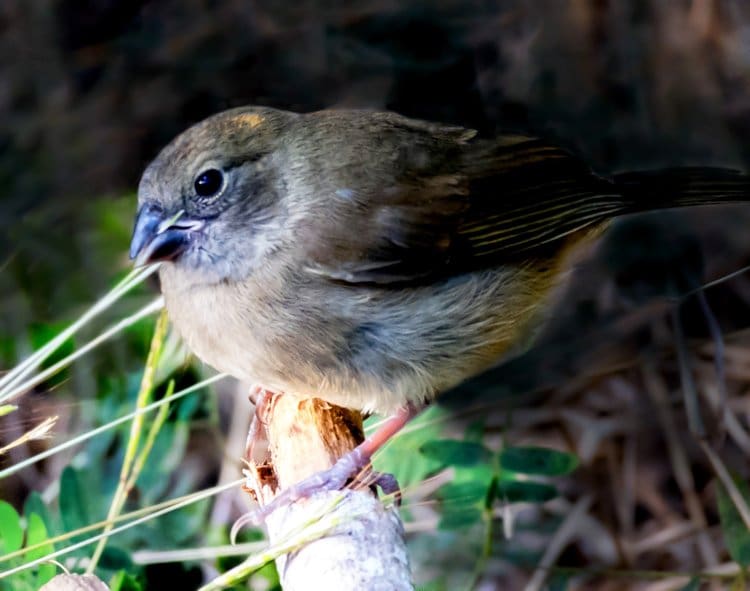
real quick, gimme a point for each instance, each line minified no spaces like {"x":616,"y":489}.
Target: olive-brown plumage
{"x":370,"y":259}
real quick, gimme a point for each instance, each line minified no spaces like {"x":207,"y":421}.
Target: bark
{"x":365,"y":548}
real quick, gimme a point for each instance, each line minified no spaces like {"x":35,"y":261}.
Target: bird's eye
{"x":209,"y":182}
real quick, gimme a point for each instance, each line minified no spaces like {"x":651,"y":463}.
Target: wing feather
{"x":450,"y":203}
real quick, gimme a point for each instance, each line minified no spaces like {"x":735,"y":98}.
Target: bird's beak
{"x":160,"y":238}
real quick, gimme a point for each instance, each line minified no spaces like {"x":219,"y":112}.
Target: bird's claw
{"x":351,"y":466}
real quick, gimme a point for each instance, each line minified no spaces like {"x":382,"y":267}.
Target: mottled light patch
{"x":511,"y":140}
{"x":345,"y":193}
{"x":250,"y":119}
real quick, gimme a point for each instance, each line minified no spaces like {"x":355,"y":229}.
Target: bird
{"x":373,"y":260}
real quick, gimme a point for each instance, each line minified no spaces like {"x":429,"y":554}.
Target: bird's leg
{"x":255,"y":433}
{"x":352,"y":464}
{"x":349,"y":466}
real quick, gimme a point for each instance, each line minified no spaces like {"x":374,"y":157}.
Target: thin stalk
{"x":112,"y":424}
{"x":145,"y":394}
{"x":726,"y":480}
{"x":557,"y":544}
{"x":721,"y":378}
{"x":156,"y":425}
{"x":18,"y":373}
{"x":689,"y":392}
{"x":144,"y":557}
{"x":314,"y":528}
{"x":38,"y":432}
{"x":481,"y":563}
{"x":100,"y":524}
{"x":190,"y":499}
{"x":151,"y":308}
{"x":6,"y":409}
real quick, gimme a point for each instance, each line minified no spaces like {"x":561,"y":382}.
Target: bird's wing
{"x":526,"y":194}
{"x":458,"y":204}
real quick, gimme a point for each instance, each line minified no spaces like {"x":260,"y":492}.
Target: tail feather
{"x":682,"y":187}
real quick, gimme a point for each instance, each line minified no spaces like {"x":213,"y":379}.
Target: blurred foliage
{"x":13,"y":537}
{"x":736,"y":532}
{"x":481,"y":482}
{"x":86,"y":487}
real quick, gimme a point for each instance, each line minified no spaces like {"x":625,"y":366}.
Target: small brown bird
{"x":369,"y":259}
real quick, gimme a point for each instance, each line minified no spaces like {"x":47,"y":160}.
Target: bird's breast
{"x":372,"y":349}
{"x":221,"y":323}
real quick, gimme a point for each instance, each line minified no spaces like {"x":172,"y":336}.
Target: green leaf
{"x":123,"y":581}
{"x":269,"y":575}
{"x":451,"y":452}
{"x":483,"y":473}
{"x":515,"y":491}
{"x":11,"y":533}
{"x":462,"y":503}
{"x":459,"y":518}
{"x":164,"y":460}
{"x":177,"y":527}
{"x":115,"y":559}
{"x":736,"y":534}
{"x":537,"y":460}
{"x":37,"y":533}
{"x":187,"y":407}
{"x":73,"y":510}
{"x":401,"y":456}
{"x":35,"y":504}
{"x":464,"y":493}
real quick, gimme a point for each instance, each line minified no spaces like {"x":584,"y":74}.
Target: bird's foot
{"x":350,"y":470}
{"x":353,"y":466}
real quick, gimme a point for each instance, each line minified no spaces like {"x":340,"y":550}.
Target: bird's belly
{"x":371,"y":350}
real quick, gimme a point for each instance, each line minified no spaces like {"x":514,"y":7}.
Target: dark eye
{"x":209,"y":182}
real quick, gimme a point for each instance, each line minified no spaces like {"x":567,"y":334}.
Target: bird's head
{"x":210,"y":200}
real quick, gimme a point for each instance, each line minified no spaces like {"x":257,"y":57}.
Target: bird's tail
{"x":681,"y":187}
